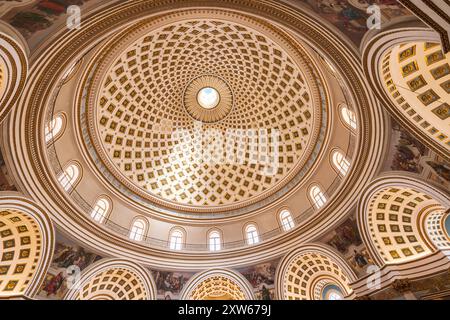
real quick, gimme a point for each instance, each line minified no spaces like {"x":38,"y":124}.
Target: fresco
{"x":350,"y":16}
{"x":345,"y":236}
{"x":262,"y":279}
{"x":406,"y":153}
{"x":39,"y":15}
{"x":66,"y":254}
{"x":439,"y":171}
{"x":169,"y":284}
{"x":347,"y":241}
{"x":4,"y":182}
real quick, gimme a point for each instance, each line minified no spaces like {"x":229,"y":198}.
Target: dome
{"x":205,"y":114}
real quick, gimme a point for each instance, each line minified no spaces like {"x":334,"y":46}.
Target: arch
{"x":55,"y":128}
{"x":13,"y":69}
{"x":215,"y":240}
{"x":303,"y":273}
{"x":113,"y":279}
{"x":447,"y":224}
{"x":101,"y":209}
{"x":26,"y":248}
{"x":340,"y":162}
{"x":177,"y":238}
{"x":251,"y":233}
{"x":70,"y":176}
{"x":138,"y":229}
{"x":409,"y":76}
{"x":217,"y":283}
{"x":434,"y":226}
{"x":286,"y":220}
{"x":392,"y":214}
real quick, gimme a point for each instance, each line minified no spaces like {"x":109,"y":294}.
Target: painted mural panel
{"x":406,"y":153}
{"x":38,"y":17}
{"x":67,"y":254}
{"x":262,"y":279}
{"x":346,"y":239}
{"x":169,"y":284}
{"x":350,"y":16}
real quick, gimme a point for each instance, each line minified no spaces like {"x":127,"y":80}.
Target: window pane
{"x":340,"y":162}
{"x":137,"y":231}
{"x":286,"y":220}
{"x":318,"y":197}
{"x":176,"y":240}
{"x":100,"y":210}
{"x":214,"y":241}
{"x":53,"y":128}
{"x":349,"y":117}
{"x":68,"y":178}
{"x":252,"y":234}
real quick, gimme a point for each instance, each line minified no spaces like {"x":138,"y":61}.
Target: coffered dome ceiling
{"x":166,"y":94}
{"x":146,"y":92}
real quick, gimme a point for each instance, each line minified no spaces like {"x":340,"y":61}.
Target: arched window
{"x":70,"y":176}
{"x":286,"y":220}
{"x":138,"y":230}
{"x":317,"y":196}
{"x":54,"y":129}
{"x":214,"y":241}
{"x":348,"y":116}
{"x":251,"y":234}
{"x":101,"y":209}
{"x":176,"y":240}
{"x":340,"y":162}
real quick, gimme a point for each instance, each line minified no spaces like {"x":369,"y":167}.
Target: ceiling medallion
{"x":208,"y":99}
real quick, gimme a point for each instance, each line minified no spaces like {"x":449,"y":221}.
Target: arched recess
{"x":411,"y":77}
{"x":113,"y":279}
{"x":394,"y":216}
{"x":13,"y":68}
{"x":26,"y":247}
{"x":306,"y":272}
{"x":217,"y":284}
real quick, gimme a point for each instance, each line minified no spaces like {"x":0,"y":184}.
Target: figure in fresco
{"x":265,"y":293}
{"x":169,"y":282}
{"x":52,"y":286}
{"x":262,"y":278}
{"x":441,"y":169}
{"x":360,"y":259}
{"x":71,"y":256}
{"x":40,"y":16}
{"x":350,"y":16}
{"x":345,"y":236}
{"x":260,"y":274}
{"x":343,"y":14}
{"x":66,"y":254}
{"x":408,"y":152}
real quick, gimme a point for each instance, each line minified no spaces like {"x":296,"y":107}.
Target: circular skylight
{"x":208,"y":98}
